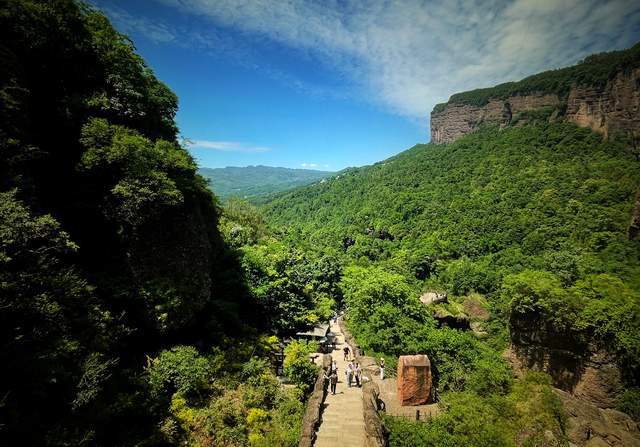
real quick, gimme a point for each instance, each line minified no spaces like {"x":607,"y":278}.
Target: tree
{"x":298,"y":367}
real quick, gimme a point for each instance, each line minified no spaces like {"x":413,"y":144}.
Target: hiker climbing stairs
{"x":343,"y":416}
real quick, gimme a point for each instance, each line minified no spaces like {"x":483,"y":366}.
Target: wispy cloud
{"x":407,"y":54}
{"x":309,"y":165}
{"x":225,"y":146}
{"x":212,"y":42}
{"x":410,"y":54}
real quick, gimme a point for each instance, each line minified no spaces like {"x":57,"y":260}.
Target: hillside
{"x":251,"y":181}
{"x":136,"y":308}
{"x":536,"y":213}
{"x":126,"y":318}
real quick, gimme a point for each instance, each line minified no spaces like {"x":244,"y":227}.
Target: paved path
{"x":343,"y":417}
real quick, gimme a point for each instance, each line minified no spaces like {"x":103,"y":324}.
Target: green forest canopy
{"x":549,"y":203}
{"x":135,"y":310}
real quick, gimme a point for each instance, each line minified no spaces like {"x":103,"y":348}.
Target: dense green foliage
{"x":250,"y":182}
{"x":228,"y":397}
{"x":387,"y":318}
{"x":593,"y":71}
{"x":629,"y":402}
{"x":531,"y":414}
{"x":551,"y":198}
{"x":136,"y":311}
{"x":118,"y":293}
{"x":297,"y":367}
{"x":529,"y":223}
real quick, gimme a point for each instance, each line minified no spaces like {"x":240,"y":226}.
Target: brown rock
{"x":457,"y":120}
{"x":414,"y":379}
{"x":600,"y":383}
{"x":590,"y":426}
{"x":474,"y":308}
{"x":610,"y":109}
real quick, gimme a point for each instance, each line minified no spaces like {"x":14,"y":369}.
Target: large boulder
{"x":429,"y":298}
{"x":414,"y":379}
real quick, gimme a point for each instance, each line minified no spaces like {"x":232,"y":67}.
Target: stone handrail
{"x":313,"y":413}
{"x":375,"y":430}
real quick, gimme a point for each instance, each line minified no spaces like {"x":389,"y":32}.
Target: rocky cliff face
{"x":608,"y":110}
{"x":588,"y":425}
{"x":457,"y":120}
{"x":583,"y":370}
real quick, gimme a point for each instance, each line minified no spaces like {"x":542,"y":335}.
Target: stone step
{"x":342,"y":418}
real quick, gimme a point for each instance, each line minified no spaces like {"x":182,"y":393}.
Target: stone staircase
{"x":343,"y":416}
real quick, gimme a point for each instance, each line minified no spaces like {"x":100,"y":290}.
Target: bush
{"x":180,"y":369}
{"x":298,"y":367}
{"x":527,"y":415}
{"x":629,"y":402}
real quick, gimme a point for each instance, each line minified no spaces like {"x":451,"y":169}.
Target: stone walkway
{"x":343,"y":417}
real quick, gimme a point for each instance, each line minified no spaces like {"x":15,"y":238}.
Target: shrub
{"x":180,"y":369}
{"x":298,"y":368}
{"x":629,"y":402}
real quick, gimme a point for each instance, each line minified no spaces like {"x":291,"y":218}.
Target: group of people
{"x":353,"y":371}
{"x":353,"y":374}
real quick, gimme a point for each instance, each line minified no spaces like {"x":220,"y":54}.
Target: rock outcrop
{"x":590,"y":426}
{"x":429,"y":298}
{"x":592,"y":376}
{"x":414,"y":379}
{"x":610,"y":109}
{"x":457,"y":120}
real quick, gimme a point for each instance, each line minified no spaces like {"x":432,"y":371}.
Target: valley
{"x":147,"y":301}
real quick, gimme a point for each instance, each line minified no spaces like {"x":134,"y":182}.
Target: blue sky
{"x":336,"y":83}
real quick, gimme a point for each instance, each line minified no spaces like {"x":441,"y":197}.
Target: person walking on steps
{"x":357,"y":374}
{"x":333,"y":380}
{"x":327,"y":378}
{"x":346,"y":353}
{"x":349,"y":374}
{"x":381,"y":368}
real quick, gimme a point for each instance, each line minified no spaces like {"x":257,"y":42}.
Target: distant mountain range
{"x":253,"y":181}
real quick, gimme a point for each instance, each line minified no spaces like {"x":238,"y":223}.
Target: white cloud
{"x":225,"y":146}
{"x":309,"y":165}
{"x":156,"y":31}
{"x":411,"y":54}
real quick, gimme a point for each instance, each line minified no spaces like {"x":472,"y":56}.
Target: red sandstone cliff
{"x":612,"y":109}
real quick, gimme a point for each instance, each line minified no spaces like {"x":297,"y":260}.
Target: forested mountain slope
{"x":535,"y":217}
{"x":251,"y":181}
{"x":109,"y":247}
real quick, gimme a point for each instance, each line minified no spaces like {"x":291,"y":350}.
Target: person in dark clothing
{"x":333,"y":380}
{"x":346,"y":353}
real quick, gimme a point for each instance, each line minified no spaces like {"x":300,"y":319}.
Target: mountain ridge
{"x":600,"y":93}
{"x":258,"y":180}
